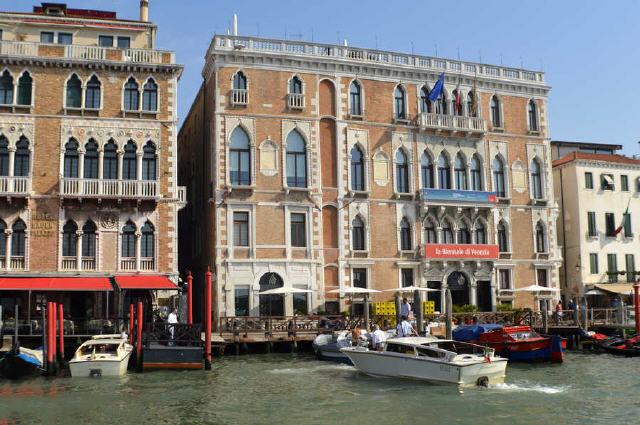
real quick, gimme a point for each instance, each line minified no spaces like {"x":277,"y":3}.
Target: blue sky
{"x":588,"y":49}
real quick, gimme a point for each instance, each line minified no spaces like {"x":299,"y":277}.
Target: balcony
{"x":86,"y":264}
{"x":239,"y":97}
{"x":130,"y":264}
{"x":16,"y":263}
{"x":15,"y":186}
{"x":453,"y":123}
{"x":295,"y":101}
{"x":110,"y":189}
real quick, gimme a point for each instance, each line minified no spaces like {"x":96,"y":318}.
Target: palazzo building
{"x":88,"y":151}
{"x":322,"y":167}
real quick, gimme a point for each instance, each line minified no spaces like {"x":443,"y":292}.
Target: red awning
{"x":145,"y":282}
{"x":55,"y":284}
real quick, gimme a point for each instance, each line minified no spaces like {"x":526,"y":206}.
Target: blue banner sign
{"x":449,"y":195}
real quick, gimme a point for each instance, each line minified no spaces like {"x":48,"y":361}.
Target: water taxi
{"x":102,"y":355}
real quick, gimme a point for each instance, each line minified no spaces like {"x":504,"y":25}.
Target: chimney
{"x":144,"y":10}
{"x":235,"y":25}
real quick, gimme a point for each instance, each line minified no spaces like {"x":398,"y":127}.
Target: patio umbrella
{"x":595,"y":292}
{"x":285,"y":290}
{"x":354,"y":290}
{"x":411,"y":289}
{"x":536,"y":288}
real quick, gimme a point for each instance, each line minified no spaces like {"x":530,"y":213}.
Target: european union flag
{"x":437,"y":89}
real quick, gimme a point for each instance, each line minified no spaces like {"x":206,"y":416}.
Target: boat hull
{"x":13,"y":367}
{"x":107,"y":367}
{"x":398,"y":366}
{"x":542,"y":349}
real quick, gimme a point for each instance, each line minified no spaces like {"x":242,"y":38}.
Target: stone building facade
{"x":88,"y":145}
{"x":322,"y":167}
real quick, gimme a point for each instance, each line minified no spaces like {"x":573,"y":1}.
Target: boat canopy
{"x":468,"y":333}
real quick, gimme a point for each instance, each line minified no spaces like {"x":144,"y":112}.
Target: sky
{"x":588,"y":49}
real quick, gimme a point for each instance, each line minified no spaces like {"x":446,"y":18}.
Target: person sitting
{"x":377,"y":338}
{"x":405,"y":328}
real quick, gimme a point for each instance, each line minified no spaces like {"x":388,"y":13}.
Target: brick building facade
{"x":321,"y":167}
{"x":88,"y":157}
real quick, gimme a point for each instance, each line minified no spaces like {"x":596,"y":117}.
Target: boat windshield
{"x":518,"y":336}
{"x":429,"y":352}
{"x":400,"y":348}
{"x":101,"y":349}
{"x":459,"y":347}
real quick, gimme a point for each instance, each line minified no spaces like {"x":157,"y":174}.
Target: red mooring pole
{"x":189,"y":298}
{"x":207,"y":318}
{"x":50,"y":352}
{"x":54,"y":328}
{"x":139,"y":336}
{"x":131,"y":319}
{"x":636,"y":305}
{"x":61,"y":331}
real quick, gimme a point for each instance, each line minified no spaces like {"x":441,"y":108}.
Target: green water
{"x":297,"y":389}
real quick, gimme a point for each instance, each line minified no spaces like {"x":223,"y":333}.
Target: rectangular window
{"x":628,"y":233}
{"x":1,"y":34}
{"x":46,"y":37}
{"x":504,"y":277}
{"x":105,"y":40}
{"x":124,"y":42}
{"x":591,"y":220}
{"x":360,"y":278}
{"x":407,"y":277}
{"x":624,"y":183}
{"x":542,"y":277}
{"x":607,"y":182}
{"x":242,"y":301}
{"x":630,"y":266}
{"x":588,"y":180}
{"x":593,"y":263}
{"x":610,"y":224}
{"x":301,"y":304}
{"x":612,"y":268}
{"x":241,"y":229}
{"x":298,"y":230}
{"x":65,"y":38}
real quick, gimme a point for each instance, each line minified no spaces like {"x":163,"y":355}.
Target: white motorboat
{"x":102,"y":355}
{"x":327,"y":346}
{"x":425,"y":358}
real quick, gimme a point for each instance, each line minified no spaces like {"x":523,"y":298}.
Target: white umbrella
{"x":595,"y":292}
{"x":411,"y":289}
{"x":354,"y":290}
{"x":536,"y":288}
{"x":285,"y":290}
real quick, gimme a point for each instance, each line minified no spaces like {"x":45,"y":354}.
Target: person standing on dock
{"x":405,"y":308}
{"x":172,"y":320}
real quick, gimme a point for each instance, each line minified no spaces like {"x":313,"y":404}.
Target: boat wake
{"x":323,"y":368}
{"x":533,"y":388}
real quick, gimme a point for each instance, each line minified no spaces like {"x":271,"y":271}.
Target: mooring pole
{"x":140,"y":320}
{"x":61,"y":332}
{"x":45,"y":336}
{"x":636,"y":305}
{"x":207,"y":317}
{"x":417,"y":302}
{"x":131,"y":324}
{"x":449,"y":309}
{"x":398,"y":301}
{"x":189,"y":298}
{"x":49,"y":345}
{"x":54,"y":329}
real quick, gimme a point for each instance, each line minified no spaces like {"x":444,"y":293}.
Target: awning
{"x":145,"y":282}
{"x":607,"y":178}
{"x":55,"y":284}
{"x":616,"y":288}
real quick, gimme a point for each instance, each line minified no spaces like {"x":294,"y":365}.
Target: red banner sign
{"x":461,"y":252}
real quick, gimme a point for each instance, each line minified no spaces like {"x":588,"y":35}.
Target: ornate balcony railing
{"x":17,"y":48}
{"x":295,"y":101}
{"x":128,"y":264}
{"x":16,"y":186}
{"x":121,"y":189}
{"x":85,"y":52}
{"x":71,"y":263}
{"x":142,"y":56}
{"x":239,"y":97}
{"x":452,"y":123}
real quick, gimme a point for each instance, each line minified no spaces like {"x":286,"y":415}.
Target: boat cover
{"x":468,"y":333}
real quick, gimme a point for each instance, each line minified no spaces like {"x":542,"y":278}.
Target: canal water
{"x":297,"y":389}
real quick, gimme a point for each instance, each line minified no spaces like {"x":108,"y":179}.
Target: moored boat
{"x":430,"y":359}
{"x":328,"y":346}
{"x":102,"y":355}
{"x":20,"y":362}
{"x":629,"y":347}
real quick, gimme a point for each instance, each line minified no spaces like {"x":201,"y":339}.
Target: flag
{"x":437,"y":89}
{"x":625,"y":214}
{"x":458,"y":98}
{"x":474,"y":101}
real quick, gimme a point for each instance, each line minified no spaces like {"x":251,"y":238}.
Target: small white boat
{"x":102,"y":355}
{"x":327,"y":346}
{"x":425,"y":358}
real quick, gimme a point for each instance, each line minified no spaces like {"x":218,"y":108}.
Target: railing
{"x":18,"y":48}
{"x":89,"y":263}
{"x":147,"y":264}
{"x":94,"y":188}
{"x":142,"y":56}
{"x":15,"y":185}
{"x":295,"y":101}
{"x":239,"y":97}
{"x":452,"y":123}
{"x":72,"y":326}
{"x":85,"y":52}
{"x":128,"y":264}
{"x":356,"y":55}
{"x":17,"y":262}
{"x":71,"y":263}
{"x":179,"y":334}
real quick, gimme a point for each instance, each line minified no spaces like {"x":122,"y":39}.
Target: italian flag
{"x":624,"y":218}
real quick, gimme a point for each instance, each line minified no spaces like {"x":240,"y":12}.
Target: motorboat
{"x":327,"y":346}
{"x":102,"y":355}
{"x":20,"y":362}
{"x":516,"y":343}
{"x":431,"y":359}
{"x":629,"y":347}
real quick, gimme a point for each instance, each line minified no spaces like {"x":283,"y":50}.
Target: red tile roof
{"x":614,"y":159}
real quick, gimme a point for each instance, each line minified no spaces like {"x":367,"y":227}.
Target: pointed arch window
{"x":128,"y":248}
{"x":92,"y":93}
{"x":402,"y":172}
{"x":6,"y":88}
{"x":425,"y":104}
{"x":18,"y":239}
{"x":480,"y":233}
{"x":110,"y":161}
{"x":25,"y":89}
{"x":91,"y":160}
{"x":357,"y":234}
{"x":150,"y":96}
{"x":296,"y":160}
{"x":129,"y":161}
{"x":499,"y":178}
{"x":430,"y":235}
{"x":4,"y":156}
{"x":503,"y":241}
{"x":74,"y":92}
{"x":496,"y":118}
{"x":149,"y":162}
{"x":89,"y":239}
{"x":460,"y":171}
{"x":295,"y":85}
{"x":239,"y":81}
{"x":426,"y":171}
{"x":471,"y":105}
{"x":541,"y":245}
{"x":405,"y":235}
{"x":71,"y":159}
{"x":21,"y":160}
{"x":239,"y":158}
{"x":532,"y":112}
{"x":441,"y":104}
{"x":357,"y":169}
{"x":3,"y":238}
{"x":399,"y":103}
{"x":69,"y":238}
{"x":476,"y":173}
{"x":464,"y":236}
{"x":536,"y":179}
{"x":355,"y":99}
{"x":131,"y":95}
{"x":444,"y":171}
{"x":147,"y":242}
{"x":447,"y":233}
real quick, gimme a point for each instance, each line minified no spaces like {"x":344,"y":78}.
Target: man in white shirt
{"x":404,"y":328}
{"x":377,"y":338}
{"x":405,"y":308}
{"x":172,"y":320}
